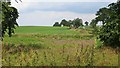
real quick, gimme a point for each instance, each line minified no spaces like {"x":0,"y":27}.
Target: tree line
{"x":76,"y":23}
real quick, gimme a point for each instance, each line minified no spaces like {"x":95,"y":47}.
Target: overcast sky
{"x":46,"y":12}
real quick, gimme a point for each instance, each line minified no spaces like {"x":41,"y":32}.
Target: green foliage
{"x":9,"y":16}
{"x":77,"y":22}
{"x":93,"y":23}
{"x":98,"y":43}
{"x":65,"y":23}
{"x":56,"y":24}
{"x":86,"y":23}
{"x":109,"y":32}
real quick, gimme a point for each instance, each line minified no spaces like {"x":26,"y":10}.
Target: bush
{"x":98,"y":43}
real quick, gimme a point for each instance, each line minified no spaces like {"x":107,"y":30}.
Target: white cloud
{"x":84,"y":7}
{"x":44,"y":18}
{"x":69,"y":0}
{"x":40,"y":18}
{"x":29,"y":3}
{"x":21,"y":6}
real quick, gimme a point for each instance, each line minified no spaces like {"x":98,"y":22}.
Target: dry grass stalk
{"x":78,"y":55}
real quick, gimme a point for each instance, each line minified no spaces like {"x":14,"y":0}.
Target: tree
{"x":93,"y":23}
{"x":109,"y":32}
{"x":77,"y":22}
{"x":65,"y":23}
{"x":9,"y":16}
{"x":86,"y":23}
{"x":56,"y":24}
{"x":71,"y":24}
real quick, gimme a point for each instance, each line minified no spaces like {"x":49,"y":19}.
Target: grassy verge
{"x":55,"y":46}
{"x":64,"y":55}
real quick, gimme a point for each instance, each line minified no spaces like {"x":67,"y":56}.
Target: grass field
{"x":55,"y":46}
{"x":45,"y":30}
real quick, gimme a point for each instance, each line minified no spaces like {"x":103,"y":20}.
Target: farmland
{"x":55,"y":46}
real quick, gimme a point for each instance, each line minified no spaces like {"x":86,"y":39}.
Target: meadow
{"x":55,"y":46}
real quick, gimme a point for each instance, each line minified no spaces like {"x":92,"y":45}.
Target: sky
{"x":47,"y":12}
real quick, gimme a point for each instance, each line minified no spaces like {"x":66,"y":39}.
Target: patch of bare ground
{"x":74,"y":42}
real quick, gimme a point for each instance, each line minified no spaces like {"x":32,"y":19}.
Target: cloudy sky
{"x":46,"y":12}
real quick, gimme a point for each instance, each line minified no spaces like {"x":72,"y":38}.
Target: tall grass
{"x":84,"y":56}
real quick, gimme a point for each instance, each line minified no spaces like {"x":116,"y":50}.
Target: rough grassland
{"x":55,"y":46}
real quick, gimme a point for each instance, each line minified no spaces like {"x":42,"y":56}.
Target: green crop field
{"x":55,"y":46}
{"x":45,"y":30}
